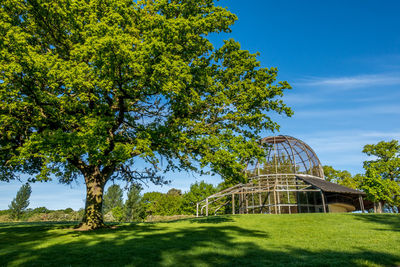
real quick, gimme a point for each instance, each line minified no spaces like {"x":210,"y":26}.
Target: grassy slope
{"x":252,"y":240}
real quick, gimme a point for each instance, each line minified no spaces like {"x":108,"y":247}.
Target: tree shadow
{"x":168,"y":245}
{"x":212,"y":219}
{"x":390,"y":222}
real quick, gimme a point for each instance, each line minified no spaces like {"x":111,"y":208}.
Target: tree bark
{"x":380,"y":207}
{"x":93,"y":217}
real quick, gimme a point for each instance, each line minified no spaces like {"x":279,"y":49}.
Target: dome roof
{"x":286,"y":154}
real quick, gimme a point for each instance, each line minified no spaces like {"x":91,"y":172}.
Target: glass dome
{"x":286,"y":155}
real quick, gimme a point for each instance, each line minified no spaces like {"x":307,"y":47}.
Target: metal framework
{"x":278,"y":185}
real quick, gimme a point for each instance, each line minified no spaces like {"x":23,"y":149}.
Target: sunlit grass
{"x":252,"y":240}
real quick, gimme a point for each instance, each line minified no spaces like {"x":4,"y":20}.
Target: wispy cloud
{"x":303,"y":99}
{"x":350,"y":82}
{"x":349,"y":112}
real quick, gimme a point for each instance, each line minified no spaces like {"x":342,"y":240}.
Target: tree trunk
{"x":380,"y":207}
{"x":93,"y":217}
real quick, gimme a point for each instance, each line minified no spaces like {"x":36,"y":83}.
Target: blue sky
{"x":342,"y":59}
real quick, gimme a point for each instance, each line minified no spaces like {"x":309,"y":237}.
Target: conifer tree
{"x":133,"y":208}
{"x":113,"y":198}
{"x":20,"y":202}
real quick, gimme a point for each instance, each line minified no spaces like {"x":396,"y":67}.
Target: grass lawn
{"x":238,"y":240}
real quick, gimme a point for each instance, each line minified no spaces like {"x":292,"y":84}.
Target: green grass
{"x":239,"y":240}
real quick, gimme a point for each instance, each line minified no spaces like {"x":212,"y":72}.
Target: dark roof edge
{"x":326,"y":186}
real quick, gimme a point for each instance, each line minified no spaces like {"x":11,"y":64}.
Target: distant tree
{"x":379,"y":190}
{"x":157,"y":203}
{"x":20,"y":202}
{"x":118,"y":213}
{"x":151,"y":201}
{"x":174,"y":192}
{"x":387,"y":159}
{"x":133,"y":208}
{"x":169,"y":205}
{"x":113,"y":198}
{"x":198,"y":191}
{"x":68,"y":210}
{"x":342,"y":177}
{"x":382,"y":182}
{"x":40,"y":210}
{"x":88,"y":87}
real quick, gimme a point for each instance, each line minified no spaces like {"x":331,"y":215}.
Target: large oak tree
{"x":87,"y":87}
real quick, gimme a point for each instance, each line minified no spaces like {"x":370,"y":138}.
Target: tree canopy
{"x":133,"y":208}
{"x":382,"y":181}
{"x":198,"y":191}
{"x":387,"y":159}
{"x":89,"y":88}
{"x":342,"y":177}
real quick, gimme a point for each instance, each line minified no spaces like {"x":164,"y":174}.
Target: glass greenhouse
{"x":291,"y":180}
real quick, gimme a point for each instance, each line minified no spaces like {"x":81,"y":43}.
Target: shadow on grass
{"x":165,"y":245}
{"x":390,"y":222}
{"x":212,"y":219}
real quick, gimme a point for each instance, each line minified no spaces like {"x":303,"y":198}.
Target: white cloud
{"x":350,"y":112}
{"x":351,"y":82}
{"x":393,"y":135}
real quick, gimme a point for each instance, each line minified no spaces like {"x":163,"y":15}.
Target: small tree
{"x":157,"y":203}
{"x":379,"y":190}
{"x":198,"y":191}
{"x":113,"y":198}
{"x":383,"y":173}
{"x":20,"y":202}
{"x":133,"y":208}
{"x":118,"y":213}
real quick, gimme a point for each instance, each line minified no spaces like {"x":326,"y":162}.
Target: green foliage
{"x":342,"y":177}
{"x":198,"y":191}
{"x":156,"y":203}
{"x":20,"y":202}
{"x":387,"y":162}
{"x":89,"y":86}
{"x":382,"y":182}
{"x":68,"y":210}
{"x":43,"y":214}
{"x":174,"y":192}
{"x":112,"y":198}
{"x":133,"y":208}
{"x":118,"y":213}
{"x":40,"y":210}
{"x":379,"y":189}
{"x":150,"y":202}
{"x":4,"y":212}
{"x":95,"y":83}
{"x":335,"y":176}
